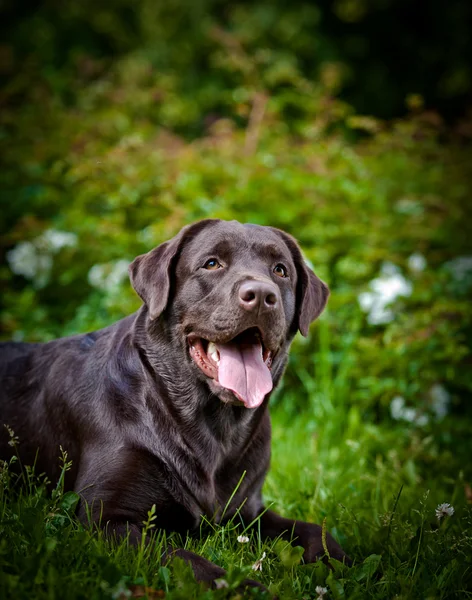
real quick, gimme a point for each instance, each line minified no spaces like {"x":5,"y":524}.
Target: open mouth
{"x":241,"y":365}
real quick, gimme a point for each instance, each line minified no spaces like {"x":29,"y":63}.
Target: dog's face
{"x":236,"y":295}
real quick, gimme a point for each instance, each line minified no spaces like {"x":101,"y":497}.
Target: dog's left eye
{"x":212,"y":264}
{"x":280,"y":270}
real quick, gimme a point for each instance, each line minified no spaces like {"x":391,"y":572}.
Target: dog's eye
{"x":212,"y":264}
{"x":280,"y":270}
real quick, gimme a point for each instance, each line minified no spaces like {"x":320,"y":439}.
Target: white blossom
{"x":119,"y":592}
{"x":460,"y":267}
{"x":422,"y":420}
{"x":34,"y":259}
{"x":417,"y":262}
{"x":440,"y":400}
{"x":384,"y":290}
{"x":24,"y":259}
{"x":396,"y":407}
{"x":444,"y":510}
{"x":108,"y":276}
{"x":257,"y":566}
{"x":55,"y":240}
{"x":409,"y":414}
{"x":409,"y":206}
{"x":321,"y":591}
{"x":243,"y":539}
{"x":400,"y":412}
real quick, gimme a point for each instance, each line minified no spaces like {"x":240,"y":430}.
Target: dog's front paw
{"x":253,"y":584}
{"x":311,"y":538}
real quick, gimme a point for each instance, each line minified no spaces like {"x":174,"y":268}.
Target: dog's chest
{"x":227,"y":485}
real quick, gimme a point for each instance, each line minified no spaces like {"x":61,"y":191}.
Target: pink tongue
{"x":243,"y":371}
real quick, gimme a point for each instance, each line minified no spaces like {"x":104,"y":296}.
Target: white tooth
{"x":213,"y":353}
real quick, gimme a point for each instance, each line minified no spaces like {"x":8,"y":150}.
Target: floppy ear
{"x":151,"y":273}
{"x":312,"y":293}
{"x":314,"y":296}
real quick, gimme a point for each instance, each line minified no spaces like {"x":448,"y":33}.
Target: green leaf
{"x":336,"y":587}
{"x":69,"y":501}
{"x":365,"y":571}
{"x":164,"y":576}
{"x":290,"y":556}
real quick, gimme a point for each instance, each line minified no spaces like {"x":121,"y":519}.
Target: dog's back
{"x":26,"y":422}
{"x":51,"y":396}
{"x":12,"y":358}
{"x":15,"y":363}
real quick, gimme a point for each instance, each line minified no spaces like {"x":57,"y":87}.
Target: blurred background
{"x":345,"y":123}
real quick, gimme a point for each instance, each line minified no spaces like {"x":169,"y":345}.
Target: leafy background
{"x":345,"y":123}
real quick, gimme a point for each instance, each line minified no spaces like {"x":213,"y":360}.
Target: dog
{"x":169,"y":406}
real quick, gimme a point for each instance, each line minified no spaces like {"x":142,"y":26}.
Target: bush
{"x":90,"y":187}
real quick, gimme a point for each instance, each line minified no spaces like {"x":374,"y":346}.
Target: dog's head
{"x":235,"y":295}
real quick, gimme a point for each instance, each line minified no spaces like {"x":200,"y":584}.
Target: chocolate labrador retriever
{"x":169,"y":407}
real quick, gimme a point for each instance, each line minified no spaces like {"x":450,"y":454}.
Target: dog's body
{"x":95,"y":395}
{"x":170,"y":405}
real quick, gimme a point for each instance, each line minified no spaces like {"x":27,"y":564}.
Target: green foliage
{"x":109,"y":172}
{"x":379,"y":56}
{"x":103,"y":158}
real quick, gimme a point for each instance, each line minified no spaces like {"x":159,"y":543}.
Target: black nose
{"x":257,"y":294}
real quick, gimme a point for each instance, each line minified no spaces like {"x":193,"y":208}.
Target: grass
{"x":374,"y":482}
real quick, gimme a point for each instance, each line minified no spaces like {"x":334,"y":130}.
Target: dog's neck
{"x":186,"y":399}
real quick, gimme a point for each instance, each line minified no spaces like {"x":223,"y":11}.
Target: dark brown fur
{"x":140,"y":422}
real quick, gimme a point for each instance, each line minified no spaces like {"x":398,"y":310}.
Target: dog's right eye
{"x":212,"y":264}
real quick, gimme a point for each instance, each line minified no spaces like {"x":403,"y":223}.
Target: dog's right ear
{"x":151,"y":273}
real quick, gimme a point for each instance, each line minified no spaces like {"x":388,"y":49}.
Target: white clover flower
{"x":221,"y":583}
{"x":417,"y":262}
{"x":257,"y":566}
{"x":321,"y":591}
{"x":242,"y":539}
{"x":444,"y":510}
{"x":440,"y":400}
{"x":385,"y":289}
{"x":120,"y":591}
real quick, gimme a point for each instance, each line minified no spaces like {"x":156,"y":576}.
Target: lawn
{"x":377,"y":487}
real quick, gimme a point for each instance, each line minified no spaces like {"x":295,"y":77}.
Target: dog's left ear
{"x":151,"y":273}
{"x":312,"y":293}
